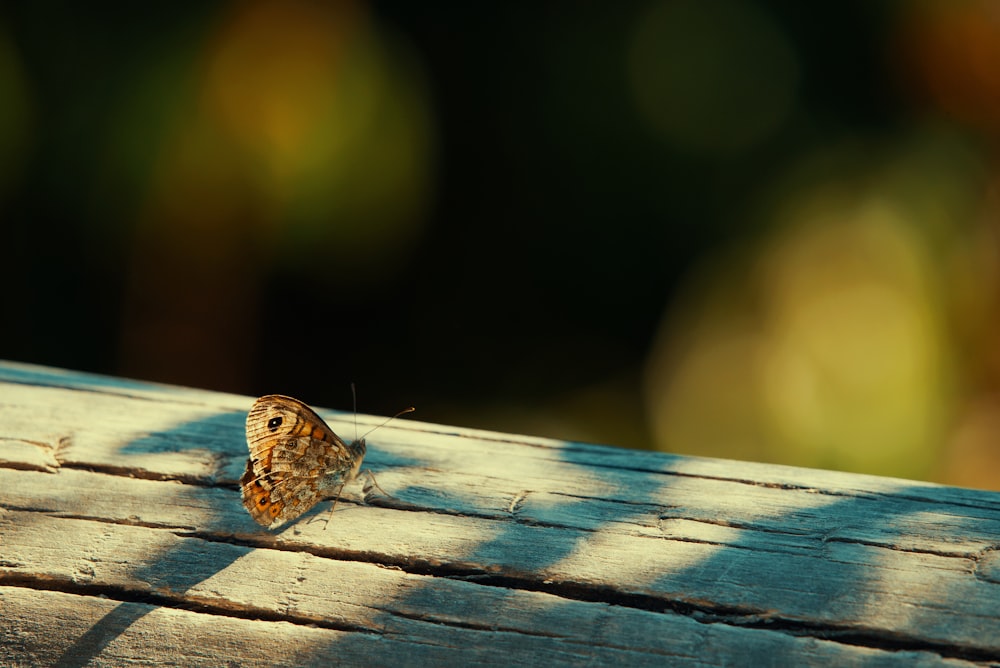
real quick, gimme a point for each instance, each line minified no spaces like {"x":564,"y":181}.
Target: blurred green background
{"x":763,"y":230}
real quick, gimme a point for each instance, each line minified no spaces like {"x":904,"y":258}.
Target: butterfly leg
{"x":334,"y":507}
{"x":372,"y":482}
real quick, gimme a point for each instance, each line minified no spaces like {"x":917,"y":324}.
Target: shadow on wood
{"x":123,"y":539}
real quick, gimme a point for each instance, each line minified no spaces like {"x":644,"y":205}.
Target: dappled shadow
{"x":90,"y":645}
{"x":876,"y":570}
{"x":218,"y":434}
{"x":166,"y":576}
{"x":653,"y":537}
{"x":207,"y":514}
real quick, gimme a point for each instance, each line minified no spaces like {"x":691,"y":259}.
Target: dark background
{"x":496,"y":229}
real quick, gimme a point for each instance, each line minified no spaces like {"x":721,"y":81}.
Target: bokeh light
{"x":744,"y":228}
{"x":947,"y":52}
{"x":330,"y":112}
{"x":299,"y":142}
{"x":828,"y":342}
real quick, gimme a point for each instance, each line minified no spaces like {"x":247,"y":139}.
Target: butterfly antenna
{"x":354,"y":398}
{"x":388,"y":420}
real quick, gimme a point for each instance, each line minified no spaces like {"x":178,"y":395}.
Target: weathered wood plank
{"x":84,"y":629}
{"x":491,"y":548}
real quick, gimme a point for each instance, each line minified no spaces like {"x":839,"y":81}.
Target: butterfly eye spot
{"x":274,"y":423}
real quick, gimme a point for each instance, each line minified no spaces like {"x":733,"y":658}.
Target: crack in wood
{"x":25,"y":466}
{"x":127,"y":521}
{"x":394,"y":503}
{"x":742,"y":526}
{"x":34,"y":443}
{"x":11,"y":507}
{"x":809,"y":489}
{"x":700,"y":610}
{"x":516,"y":502}
{"x":459,"y":624}
{"x":35,"y":454}
{"x":827,"y":537}
{"x":145,"y":474}
{"x":164,"y":600}
{"x":899,"y":548}
{"x":605,"y":499}
{"x":709,"y":613}
{"x":62,"y":445}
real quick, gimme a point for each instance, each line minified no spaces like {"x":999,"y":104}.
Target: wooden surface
{"x":123,"y":542}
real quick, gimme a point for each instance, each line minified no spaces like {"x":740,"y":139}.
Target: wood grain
{"x":123,"y":541}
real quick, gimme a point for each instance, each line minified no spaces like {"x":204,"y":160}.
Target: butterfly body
{"x":295,"y":461}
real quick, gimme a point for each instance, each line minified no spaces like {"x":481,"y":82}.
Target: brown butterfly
{"x":295,"y":461}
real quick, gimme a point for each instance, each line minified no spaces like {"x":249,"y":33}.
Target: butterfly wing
{"x":295,"y":460}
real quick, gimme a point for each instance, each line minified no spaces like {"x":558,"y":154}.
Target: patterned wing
{"x":295,"y":460}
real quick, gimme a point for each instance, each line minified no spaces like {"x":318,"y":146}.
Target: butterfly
{"x":295,"y":461}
